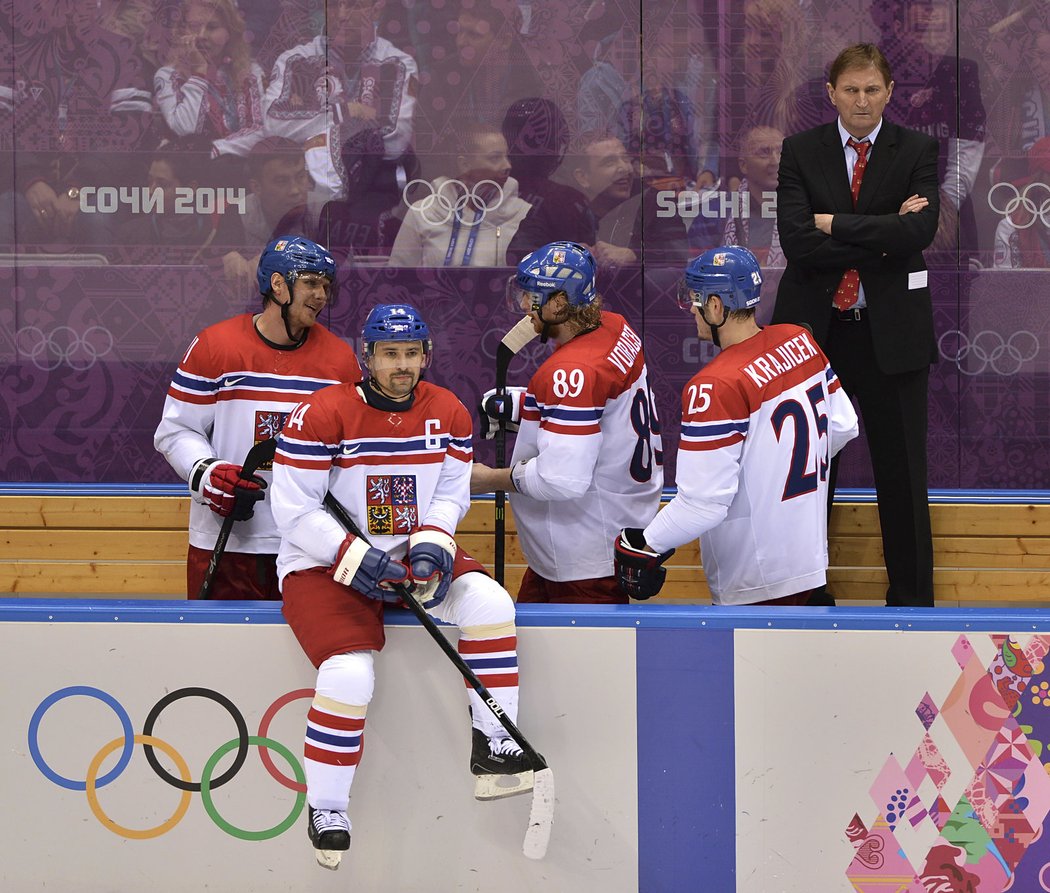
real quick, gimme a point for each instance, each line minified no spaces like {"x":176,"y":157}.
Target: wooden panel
{"x":127,"y":512}
{"x":1009,"y":552}
{"x":951,"y":519}
{"x":130,"y":578}
{"x":80,"y":545}
{"x":1026,"y":587}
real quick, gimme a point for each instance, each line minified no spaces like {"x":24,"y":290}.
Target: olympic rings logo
{"x":988,"y":348}
{"x":452,"y":198}
{"x":1024,"y":200}
{"x":150,"y":743}
{"x":64,"y":345}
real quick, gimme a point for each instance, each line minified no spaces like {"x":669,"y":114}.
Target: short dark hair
{"x":860,"y":55}
{"x":266,"y":150}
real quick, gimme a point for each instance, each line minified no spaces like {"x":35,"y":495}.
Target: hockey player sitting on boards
{"x":395,"y":451}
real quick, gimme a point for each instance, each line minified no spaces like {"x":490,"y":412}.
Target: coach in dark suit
{"x":853,"y":223}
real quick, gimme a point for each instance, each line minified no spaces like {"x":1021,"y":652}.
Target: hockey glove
{"x":368,"y":570}
{"x":431,"y":554}
{"x":221,"y":487}
{"x":638,"y":568}
{"x":493,"y":407}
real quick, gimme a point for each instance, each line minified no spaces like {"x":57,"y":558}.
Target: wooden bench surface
{"x":136,"y":546}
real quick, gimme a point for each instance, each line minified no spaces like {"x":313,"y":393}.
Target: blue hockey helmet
{"x":731,"y":272}
{"x":290,"y":256}
{"x":396,"y":322}
{"x":557,"y":267}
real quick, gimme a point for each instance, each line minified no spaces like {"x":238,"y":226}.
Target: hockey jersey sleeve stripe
{"x":572,"y":413}
{"x":555,"y":428}
{"x":703,"y":445}
{"x":344,"y":743}
{"x":302,"y":449}
{"x":299,"y":384}
{"x":462,"y":455}
{"x":334,"y":720}
{"x":194,"y":383}
{"x":331,"y":756}
{"x":711,"y":429}
{"x":493,"y":663}
{"x":429,"y":457}
{"x":479,"y":646}
{"x":189,"y":397}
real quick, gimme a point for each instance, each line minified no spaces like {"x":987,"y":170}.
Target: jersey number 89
{"x":646,"y":426}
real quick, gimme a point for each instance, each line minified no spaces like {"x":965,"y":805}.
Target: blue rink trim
{"x":650,"y":616}
{"x":686,"y":812}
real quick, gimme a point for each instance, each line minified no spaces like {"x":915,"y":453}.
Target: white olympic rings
{"x":64,"y":345}
{"x":460,"y":198}
{"x":1022,"y":199}
{"x":989,"y":348}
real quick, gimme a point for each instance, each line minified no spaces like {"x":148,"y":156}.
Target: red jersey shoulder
{"x":712,"y":394}
{"x":323,"y":342}
{"x":220,"y":346}
{"x":433,"y":401}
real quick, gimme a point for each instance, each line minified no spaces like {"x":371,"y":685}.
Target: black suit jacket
{"x":885,"y":246}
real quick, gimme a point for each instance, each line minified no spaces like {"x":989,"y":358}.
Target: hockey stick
{"x":520,"y":334}
{"x":541,"y":814}
{"x":259,"y":454}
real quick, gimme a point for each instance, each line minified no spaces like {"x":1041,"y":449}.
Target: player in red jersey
{"x":236,"y":383}
{"x":587,"y":459}
{"x":760,"y":424}
{"x":396,"y":452}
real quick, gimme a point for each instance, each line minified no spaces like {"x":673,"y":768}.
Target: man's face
{"x":282,"y":185}
{"x":350,"y":23}
{"x":395,"y":366}
{"x":474,"y":38}
{"x":606,"y":171}
{"x":162,"y":177}
{"x":760,"y":159}
{"x":1040,"y":58}
{"x":703,"y":330}
{"x":310,"y":294}
{"x":860,"y":95}
{"x":487,"y":161}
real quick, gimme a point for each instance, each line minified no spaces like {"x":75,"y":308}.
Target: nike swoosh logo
{"x":230,"y":382}
{"x":349,"y":451}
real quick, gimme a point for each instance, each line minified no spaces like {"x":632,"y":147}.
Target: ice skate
{"x":500,"y":768}
{"x":330,"y":834}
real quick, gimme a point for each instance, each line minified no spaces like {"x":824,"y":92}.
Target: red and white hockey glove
{"x":639,"y":569}
{"x":368,"y":570}
{"x":431,"y":554}
{"x":220,"y":486}
{"x":493,"y":407}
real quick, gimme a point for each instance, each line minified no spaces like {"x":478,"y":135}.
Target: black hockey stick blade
{"x":260,"y":454}
{"x":541,"y":813}
{"x":520,"y":334}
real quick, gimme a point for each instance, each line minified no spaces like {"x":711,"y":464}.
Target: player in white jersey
{"x":587,"y":459}
{"x":236,"y":383}
{"x":760,"y":424}
{"x":396,"y":453}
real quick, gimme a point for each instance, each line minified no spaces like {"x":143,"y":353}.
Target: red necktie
{"x":849,"y":288}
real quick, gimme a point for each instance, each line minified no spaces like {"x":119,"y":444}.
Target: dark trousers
{"x":894,"y":409}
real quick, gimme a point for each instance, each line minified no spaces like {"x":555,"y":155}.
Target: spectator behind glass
{"x":281,"y":199}
{"x":366,"y":222}
{"x":345,"y":81}
{"x":1022,"y":238}
{"x":753,"y":224}
{"x":537,"y":136}
{"x":939,"y":94}
{"x":657,"y":126}
{"x":468,"y":221}
{"x":168,"y":233}
{"x":624,"y":212}
{"x":774,"y":40}
{"x":487,"y":72}
{"x":210,"y":86}
{"x":605,"y":86}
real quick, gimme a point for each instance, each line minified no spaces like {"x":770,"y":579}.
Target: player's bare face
{"x":310,"y":294}
{"x":860,"y":95}
{"x":395,"y":367}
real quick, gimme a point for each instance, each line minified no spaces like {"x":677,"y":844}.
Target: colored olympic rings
{"x":149,"y":743}
{"x":1024,"y":200}
{"x":452,"y":198}
{"x":64,"y":345}
{"x":988,"y":348}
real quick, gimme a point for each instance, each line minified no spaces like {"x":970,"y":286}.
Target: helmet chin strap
{"x":284,"y":316}
{"x":713,"y":327}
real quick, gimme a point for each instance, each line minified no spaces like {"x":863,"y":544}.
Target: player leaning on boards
{"x":395,"y":451}
{"x":760,"y":424}
{"x":235,"y":384}
{"x":587,"y":458}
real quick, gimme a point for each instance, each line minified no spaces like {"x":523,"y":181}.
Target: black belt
{"x":854,"y":314}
